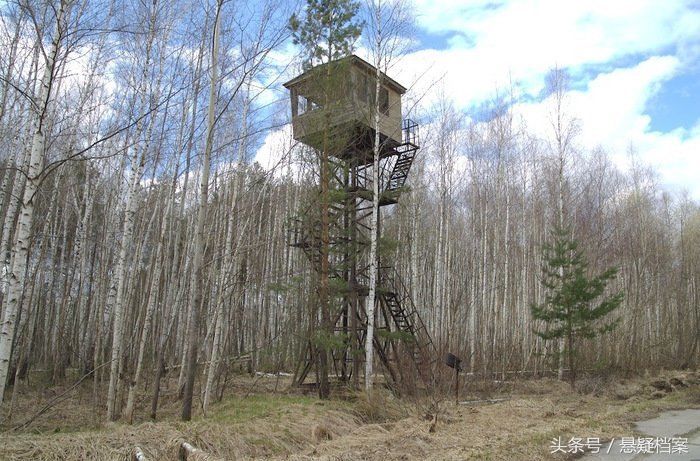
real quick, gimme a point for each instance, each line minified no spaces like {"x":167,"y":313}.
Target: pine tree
{"x":327,"y":32}
{"x":574,"y":308}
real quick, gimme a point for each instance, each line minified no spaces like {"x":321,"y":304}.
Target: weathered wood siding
{"x":351,"y":108}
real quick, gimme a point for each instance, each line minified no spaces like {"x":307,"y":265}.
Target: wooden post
{"x":457,"y":385}
{"x":454,"y":362}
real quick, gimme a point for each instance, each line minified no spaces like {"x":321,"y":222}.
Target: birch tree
{"x":386,"y":25}
{"x":564,"y":130}
{"x":41,"y":110}
{"x":198,"y":257}
{"x":116,"y":296}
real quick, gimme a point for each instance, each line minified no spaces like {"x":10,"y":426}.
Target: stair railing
{"x":410,"y":132}
{"x":398,"y":286}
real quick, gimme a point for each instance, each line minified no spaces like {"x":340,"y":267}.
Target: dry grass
{"x":268,"y":425}
{"x":379,"y":407}
{"x":256,"y":427}
{"x":519,"y":428}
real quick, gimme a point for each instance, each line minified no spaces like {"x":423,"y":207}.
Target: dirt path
{"x":681,"y":425}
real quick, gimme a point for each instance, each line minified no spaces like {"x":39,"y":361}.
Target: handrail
{"x":410,"y":132}
{"x":398,"y":285}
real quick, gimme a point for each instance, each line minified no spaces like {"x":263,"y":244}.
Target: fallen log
{"x":138,"y":455}
{"x":190,"y":453}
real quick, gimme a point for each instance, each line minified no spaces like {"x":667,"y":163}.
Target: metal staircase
{"x":397,"y":299}
{"x":406,"y":154}
{"x":396,"y":314}
{"x":304,"y":231}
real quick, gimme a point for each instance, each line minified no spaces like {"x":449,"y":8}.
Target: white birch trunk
{"x":227,"y":270}
{"x":82,"y":255}
{"x":374,"y":220}
{"x":116,"y":296}
{"x":150,"y":307}
{"x":24,"y":226}
{"x":198,"y":282}
{"x":117,"y":289}
{"x":13,"y":208}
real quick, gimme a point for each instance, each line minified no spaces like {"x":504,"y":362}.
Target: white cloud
{"x":276,"y":143}
{"x":518,"y":41}
{"x":611,"y":114}
{"x":535,"y":32}
{"x":614,"y":103}
{"x":676,"y":155}
{"x":502,"y":45}
{"x":611,"y":107}
{"x":280,"y":153}
{"x":636,"y":45}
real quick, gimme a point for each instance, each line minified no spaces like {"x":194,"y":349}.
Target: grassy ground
{"x":254,"y":421}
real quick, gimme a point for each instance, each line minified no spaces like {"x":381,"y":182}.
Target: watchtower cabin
{"x":333,"y":109}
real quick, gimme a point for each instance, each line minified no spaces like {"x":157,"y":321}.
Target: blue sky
{"x":677,"y":102}
{"x":634,"y":67}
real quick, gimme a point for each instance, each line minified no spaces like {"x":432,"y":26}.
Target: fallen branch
{"x":231,"y":359}
{"x":477,"y":402}
{"x":59,"y":398}
{"x":272,"y":375}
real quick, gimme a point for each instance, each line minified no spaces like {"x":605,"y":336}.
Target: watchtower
{"x":340,"y":96}
{"x":333,"y":110}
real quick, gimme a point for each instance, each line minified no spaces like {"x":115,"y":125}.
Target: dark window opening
{"x":304,"y":105}
{"x":363,"y":89}
{"x":384,"y":101}
{"x":295,"y":102}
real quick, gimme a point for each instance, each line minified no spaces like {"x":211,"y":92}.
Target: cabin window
{"x":366,"y":92}
{"x":384,"y":101}
{"x":295,"y":102}
{"x":363,"y":88}
{"x":302,"y":104}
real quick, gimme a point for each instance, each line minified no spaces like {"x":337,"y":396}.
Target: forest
{"x":148,"y":175}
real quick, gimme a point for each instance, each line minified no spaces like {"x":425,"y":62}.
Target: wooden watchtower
{"x":347,"y":108}
{"x":333,"y":109}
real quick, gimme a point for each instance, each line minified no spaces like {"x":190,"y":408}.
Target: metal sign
{"x":453,"y":361}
